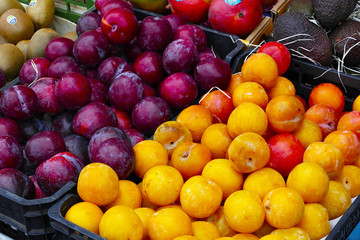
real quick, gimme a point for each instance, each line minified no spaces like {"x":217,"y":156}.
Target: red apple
{"x":194,"y":11}
{"x":286,"y":151}
{"x":279,"y":53}
{"x":235,"y":17}
{"x":119,"y":25}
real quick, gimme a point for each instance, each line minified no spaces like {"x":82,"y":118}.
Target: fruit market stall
{"x":176,"y":123}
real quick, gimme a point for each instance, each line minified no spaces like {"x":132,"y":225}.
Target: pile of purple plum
{"x":93,"y":99}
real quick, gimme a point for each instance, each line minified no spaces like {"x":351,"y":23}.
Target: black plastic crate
{"x":347,"y":223}
{"x":22,"y":218}
{"x":65,"y":230}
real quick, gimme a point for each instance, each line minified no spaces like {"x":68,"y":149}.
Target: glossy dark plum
{"x":31,"y":126}
{"x":34,"y":69}
{"x":148,"y":65}
{"x":192,"y":33}
{"x":90,"y":73}
{"x":180,"y":56}
{"x":149,"y":113}
{"x":110,"y":68}
{"x":9,"y":127}
{"x":91,"y":48}
{"x":119,"y":25}
{"x":17,"y":182}
{"x":102,"y":135}
{"x":206,"y":55}
{"x":110,"y":4}
{"x":45,"y":92}
{"x":98,"y":91}
{"x":212,"y":72}
{"x":92,"y":117}
{"x":44,"y":145}
{"x":175,"y":21}
{"x":179,"y":90}
{"x":126,"y":90}
{"x":118,"y":154}
{"x":11,"y":153}
{"x":38,"y":192}
{"x":63,"y":65}
{"x":62,"y":123}
{"x":123,"y":118}
{"x":73,"y":90}
{"x":135,"y":136}
{"x":132,"y":50}
{"x":154,"y":34}
{"x":59,"y":47}
{"x":78,"y":145}
{"x":19,"y":102}
{"x":149,"y":91}
{"x":57,"y":171}
{"x":88,"y":21}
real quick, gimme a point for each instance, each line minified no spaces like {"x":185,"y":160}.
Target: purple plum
{"x":92,"y":117}
{"x":11,"y":153}
{"x":44,"y":145}
{"x":34,"y":69}
{"x":149,"y":113}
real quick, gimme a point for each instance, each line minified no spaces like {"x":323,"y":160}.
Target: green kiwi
{"x":41,"y":13}
{"x":9,"y":4}
{"x":16,"y":25}
{"x":2,"y":40}
{"x":11,"y":60}
{"x":39,"y":41}
{"x":23,"y":46}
